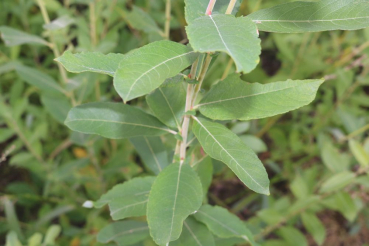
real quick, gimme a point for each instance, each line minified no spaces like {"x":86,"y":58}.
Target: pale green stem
{"x":168,"y":10}
{"x":230,"y":8}
{"x":93,"y":33}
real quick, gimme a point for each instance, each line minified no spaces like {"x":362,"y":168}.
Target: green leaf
{"x":338,"y":181}
{"x":197,"y":8}
{"x":255,"y":143}
{"x":113,"y":120}
{"x":14,"y":37}
{"x":318,"y":16}
{"x":222,"y":144}
{"x":237,"y":37}
{"x":168,"y":104}
{"x":292,"y":236}
{"x":194,"y":233}
{"x":333,"y":159}
{"x":359,"y":153}
{"x":145,"y":69}
{"x":12,"y":239}
{"x":59,"y":23}
{"x":204,"y":168}
{"x":314,"y":226}
{"x":124,"y":232}
{"x":90,"y":62}
{"x":234,"y":98}
{"x":57,"y":106}
{"x":223,"y":223}
{"x":52,"y":233}
{"x":35,"y":239}
{"x":39,"y":79}
{"x":142,"y":21}
{"x":175,"y":194}
{"x":344,"y":203}
{"x":152,"y":152}
{"x":128,"y":199}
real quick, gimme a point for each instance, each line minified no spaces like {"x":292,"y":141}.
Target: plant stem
{"x":230,"y":8}
{"x":210,"y":7}
{"x":204,"y":70}
{"x":168,"y":10}
{"x":54,"y":46}
{"x":92,"y":6}
{"x":185,"y":125}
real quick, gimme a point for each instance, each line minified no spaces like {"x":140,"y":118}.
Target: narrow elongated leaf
{"x":113,"y":120}
{"x":233,"y":98}
{"x":292,"y":236}
{"x":58,"y":107}
{"x":145,"y":69}
{"x":152,"y":152}
{"x":344,"y":203}
{"x":142,"y":21}
{"x":197,"y":8}
{"x":168,"y":104}
{"x":236,"y":36}
{"x":39,"y":79}
{"x":14,"y":37}
{"x":338,"y":181}
{"x":124,"y":233}
{"x":314,"y":226}
{"x":222,"y":144}
{"x":128,"y":199}
{"x":359,"y":153}
{"x":223,"y":223}
{"x":318,"y":16}
{"x":194,"y":233}
{"x":59,"y":23}
{"x":90,"y":62}
{"x":175,"y":194}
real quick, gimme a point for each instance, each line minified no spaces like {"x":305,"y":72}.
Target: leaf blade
{"x":145,"y":69}
{"x":236,"y":36}
{"x":178,"y":188}
{"x":113,"y":120}
{"x":215,"y":140}
{"x":298,"y":17}
{"x":224,"y":99}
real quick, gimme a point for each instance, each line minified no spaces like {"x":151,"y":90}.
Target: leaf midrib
{"x":128,"y":232}
{"x":308,"y":21}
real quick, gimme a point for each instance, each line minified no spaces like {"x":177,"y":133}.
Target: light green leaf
{"x":197,"y":8}
{"x":12,"y":239}
{"x":57,"y":106}
{"x":204,"y":169}
{"x":168,"y":104}
{"x":314,"y":226}
{"x":318,"y":16}
{"x":359,"y":153}
{"x":292,"y":236}
{"x":14,"y":37}
{"x":194,"y":233}
{"x":52,"y":233}
{"x":90,"y":62}
{"x":237,"y":37}
{"x":255,"y":143}
{"x":338,"y":181}
{"x":35,"y":239}
{"x":333,"y":159}
{"x":223,"y":223}
{"x":175,"y":194}
{"x":59,"y":23}
{"x":114,"y":120}
{"x":145,"y":69}
{"x":124,"y":232}
{"x":142,"y":21}
{"x":39,"y":79}
{"x":5,"y":134}
{"x":222,"y":144}
{"x":152,"y":151}
{"x":234,"y":98}
{"x":128,"y":199}
{"x":344,"y":203}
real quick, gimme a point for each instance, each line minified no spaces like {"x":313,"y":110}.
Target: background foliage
{"x":317,"y":157}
